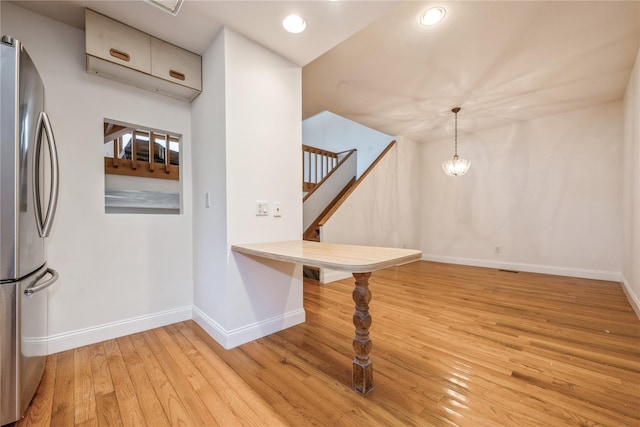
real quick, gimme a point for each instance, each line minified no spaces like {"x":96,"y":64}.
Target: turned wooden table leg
{"x":362,"y":365}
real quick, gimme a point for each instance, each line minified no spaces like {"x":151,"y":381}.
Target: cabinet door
{"x":176,"y":65}
{"x":116,"y":42}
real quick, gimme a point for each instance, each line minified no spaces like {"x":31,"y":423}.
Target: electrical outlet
{"x":498,"y":249}
{"x":262,"y":208}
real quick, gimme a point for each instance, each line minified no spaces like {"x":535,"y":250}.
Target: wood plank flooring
{"x":452,"y":346}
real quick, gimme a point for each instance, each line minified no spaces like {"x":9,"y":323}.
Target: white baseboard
{"x":634,"y":301}
{"x":86,"y":336}
{"x":235,"y":337}
{"x":529,"y":268}
{"x":210,"y":326}
{"x":228,"y":339}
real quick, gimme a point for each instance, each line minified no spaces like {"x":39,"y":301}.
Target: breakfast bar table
{"x":358,"y":260}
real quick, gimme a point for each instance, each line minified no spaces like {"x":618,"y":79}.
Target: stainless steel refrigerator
{"x":28,"y":199}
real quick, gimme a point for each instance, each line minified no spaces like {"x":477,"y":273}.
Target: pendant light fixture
{"x":456,"y":166}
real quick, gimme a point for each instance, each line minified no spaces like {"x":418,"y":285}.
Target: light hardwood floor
{"x":452,"y":345}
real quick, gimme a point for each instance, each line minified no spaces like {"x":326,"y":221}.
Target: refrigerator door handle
{"x":44,"y":285}
{"x":44,"y":225}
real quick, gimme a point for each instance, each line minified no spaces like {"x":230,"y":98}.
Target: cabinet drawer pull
{"x":120,"y":55}
{"x":176,"y":75}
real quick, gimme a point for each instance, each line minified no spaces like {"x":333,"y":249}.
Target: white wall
{"x":335,"y":133}
{"x":631,"y":187}
{"x":118,"y":273}
{"x":547,"y":192}
{"x":210,"y":243}
{"x":384,"y":210}
{"x":250,"y":117}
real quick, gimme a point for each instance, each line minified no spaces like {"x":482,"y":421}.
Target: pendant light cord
{"x":455,"y":150}
{"x":456,"y":135}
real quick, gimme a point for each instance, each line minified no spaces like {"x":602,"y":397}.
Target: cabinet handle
{"x":176,"y":75}
{"x":120,"y":55}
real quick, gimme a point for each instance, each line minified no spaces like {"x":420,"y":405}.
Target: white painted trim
{"x":81,"y":337}
{"x":238,"y":336}
{"x":210,"y":326}
{"x":530,"y":268}
{"x":328,"y":276}
{"x":634,"y":301}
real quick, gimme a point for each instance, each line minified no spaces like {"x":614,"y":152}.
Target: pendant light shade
{"x":456,"y":166}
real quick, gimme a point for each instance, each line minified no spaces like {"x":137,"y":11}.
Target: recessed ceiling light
{"x":433,"y":16}
{"x":171,"y":6}
{"x":294,"y":24}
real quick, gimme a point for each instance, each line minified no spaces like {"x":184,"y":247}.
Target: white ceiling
{"x":371,"y":61}
{"x":198,"y":21}
{"x":501,"y":62}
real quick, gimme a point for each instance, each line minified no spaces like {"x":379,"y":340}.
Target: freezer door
{"x":8,"y":353}
{"x":27,"y":162}
{"x":33,"y":332}
{"x":23,"y":341}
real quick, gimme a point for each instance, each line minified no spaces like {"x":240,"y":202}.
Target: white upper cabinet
{"x":116,"y":42}
{"x":177,"y":65}
{"x":119,"y":52}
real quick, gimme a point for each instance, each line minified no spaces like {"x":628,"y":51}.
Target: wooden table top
{"x":351,"y":258}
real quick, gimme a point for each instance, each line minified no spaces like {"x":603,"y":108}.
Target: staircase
{"x":324,"y":193}
{"x":312,"y":232}
{"x":316,"y":165}
{"x":327,"y":176}
{"x":140,"y":153}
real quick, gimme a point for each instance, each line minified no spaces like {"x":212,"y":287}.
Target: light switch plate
{"x":262,"y":208}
